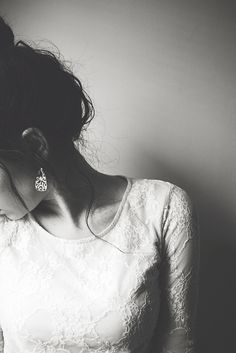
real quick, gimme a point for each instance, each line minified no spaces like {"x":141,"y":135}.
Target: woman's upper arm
{"x":179,"y":274}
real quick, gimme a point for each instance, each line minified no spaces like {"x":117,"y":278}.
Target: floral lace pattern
{"x":69,"y":296}
{"x":180,"y":275}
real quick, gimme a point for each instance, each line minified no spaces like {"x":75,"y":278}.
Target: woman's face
{"x":23,"y":175}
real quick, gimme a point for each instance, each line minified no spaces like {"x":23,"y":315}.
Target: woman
{"x":89,"y":262}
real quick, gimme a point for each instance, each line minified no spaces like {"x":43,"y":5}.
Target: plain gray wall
{"x":161,"y":75}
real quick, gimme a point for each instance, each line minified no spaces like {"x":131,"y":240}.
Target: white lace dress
{"x":85,"y":295}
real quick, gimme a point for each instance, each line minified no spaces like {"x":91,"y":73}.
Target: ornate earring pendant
{"x":41,"y":181}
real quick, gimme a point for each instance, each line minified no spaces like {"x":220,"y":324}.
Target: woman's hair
{"x":38,"y":90}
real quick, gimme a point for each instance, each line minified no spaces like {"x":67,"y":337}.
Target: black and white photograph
{"x":117,"y":172}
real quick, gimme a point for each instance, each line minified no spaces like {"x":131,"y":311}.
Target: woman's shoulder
{"x":145,"y":185}
{"x":147,"y":191}
{"x":154,"y":187}
{"x":157,"y":193}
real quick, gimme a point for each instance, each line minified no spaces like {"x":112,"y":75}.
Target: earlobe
{"x":36,"y":141}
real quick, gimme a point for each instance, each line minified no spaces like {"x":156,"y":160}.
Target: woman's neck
{"x":77,"y":184}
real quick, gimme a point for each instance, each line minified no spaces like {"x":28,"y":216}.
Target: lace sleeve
{"x":1,"y":341}
{"x":179,"y":275}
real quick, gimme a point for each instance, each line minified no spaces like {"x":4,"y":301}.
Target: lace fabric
{"x":66,"y":296}
{"x":180,"y":275}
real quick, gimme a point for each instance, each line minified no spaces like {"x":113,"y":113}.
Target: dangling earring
{"x":41,"y":181}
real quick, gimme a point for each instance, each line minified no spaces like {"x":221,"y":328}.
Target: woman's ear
{"x":36,"y":142}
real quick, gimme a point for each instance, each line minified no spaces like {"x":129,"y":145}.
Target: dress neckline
{"x":107,"y":229}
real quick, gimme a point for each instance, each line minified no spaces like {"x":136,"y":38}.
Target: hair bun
{"x":6,"y":36}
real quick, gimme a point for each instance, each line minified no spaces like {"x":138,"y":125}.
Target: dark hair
{"x":38,"y":90}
